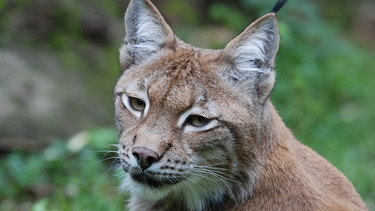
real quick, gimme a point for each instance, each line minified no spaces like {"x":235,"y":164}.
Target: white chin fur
{"x":142,"y":191}
{"x":195,"y":192}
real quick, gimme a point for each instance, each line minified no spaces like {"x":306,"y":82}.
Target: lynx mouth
{"x":156,"y":180}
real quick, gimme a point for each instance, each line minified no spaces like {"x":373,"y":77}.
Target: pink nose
{"x":145,"y":157}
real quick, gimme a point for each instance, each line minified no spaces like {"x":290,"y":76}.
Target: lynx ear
{"x":252,"y":56}
{"x":146,"y":33}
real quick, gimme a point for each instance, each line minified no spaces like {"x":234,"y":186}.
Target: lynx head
{"x":190,"y":119}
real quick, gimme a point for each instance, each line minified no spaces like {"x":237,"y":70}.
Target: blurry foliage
{"x":324,"y":92}
{"x":233,"y":18}
{"x":64,"y":176}
{"x":58,"y":24}
{"x":177,"y":12}
{"x":83,"y":35}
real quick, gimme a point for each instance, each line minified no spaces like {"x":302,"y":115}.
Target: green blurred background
{"x":59,"y":64}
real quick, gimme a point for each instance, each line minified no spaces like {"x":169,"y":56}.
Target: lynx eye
{"x":137,"y":104}
{"x":198,"y":121}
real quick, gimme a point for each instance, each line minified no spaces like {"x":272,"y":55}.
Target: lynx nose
{"x":145,"y":157}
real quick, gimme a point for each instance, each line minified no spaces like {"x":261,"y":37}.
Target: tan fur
{"x":244,"y":158}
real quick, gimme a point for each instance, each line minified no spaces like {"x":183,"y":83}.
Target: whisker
{"x":199,"y":174}
{"x":115,"y":164}
{"x":189,"y":185}
{"x":214,"y":172}
{"x":223,"y":176}
{"x":215,"y":164}
{"x":107,"y":158}
{"x":212,"y":167}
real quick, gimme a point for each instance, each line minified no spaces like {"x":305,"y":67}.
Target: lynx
{"x":198,"y":130}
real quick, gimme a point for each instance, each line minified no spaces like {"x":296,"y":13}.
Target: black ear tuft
{"x":279,"y":4}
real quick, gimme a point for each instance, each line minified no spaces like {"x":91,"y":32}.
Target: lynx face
{"x":181,"y":124}
{"x":189,"y":118}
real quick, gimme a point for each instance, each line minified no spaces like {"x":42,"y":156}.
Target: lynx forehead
{"x":198,"y":130}
{"x":176,"y":81}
